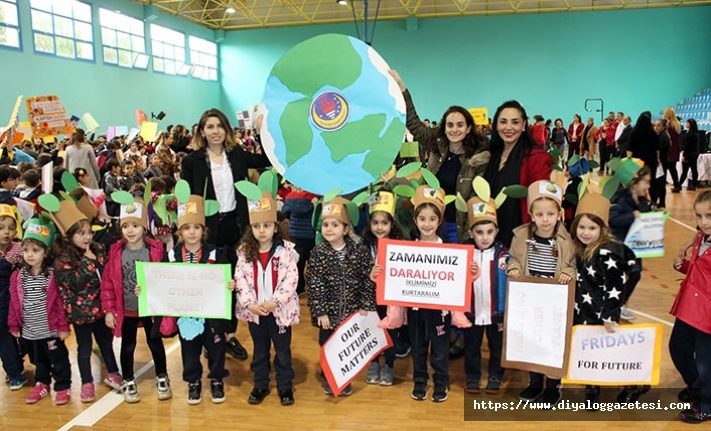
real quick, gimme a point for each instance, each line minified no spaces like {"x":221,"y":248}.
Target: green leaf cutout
{"x":415,"y":184}
{"x":593,"y":164}
{"x":353,"y":213}
{"x":460,"y":203}
{"x":267,"y":182}
{"x":69,"y":181}
{"x":360,"y":198}
{"x":66,"y":196}
{"x":212,"y":207}
{"x":332,"y":194}
{"x":573,"y":160}
{"x":404,"y":191}
{"x":449,"y":199}
{"x":516,"y":191}
{"x":182,"y":191}
{"x":481,"y":188}
{"x":611,"y":187}
{"x":430,"y":178}
{"x":583,"y":187}
{"x":408,"y":169}
{"x":160,"y":209}
{"x":557,"y":167}
{"x":248,"y":190}
{"x":316,"y":216}
{"x":49,"y":202}
{"x":147,"y":194}
{"x":500,"y":198}
{"x":614,"y":163}
{"x":122,"y":197}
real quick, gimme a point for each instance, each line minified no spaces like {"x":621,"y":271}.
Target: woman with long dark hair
{"x":690,"y":146}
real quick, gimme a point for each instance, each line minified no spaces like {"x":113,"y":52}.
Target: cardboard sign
{"x":646,"y":235}
{"x":425,"y":275}
{"x":149,"y":131}
{"x":351,"y":348}
{"x":48,"y":117}
{"x":48,"y":177}
{"x":481,"y":116}
{"x":537,"y":325}
{"x":184,"y":290}
{"x":630,"y":356}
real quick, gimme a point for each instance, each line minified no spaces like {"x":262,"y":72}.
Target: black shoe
{"x":531,"y":393}
{"x":676,"y":190}
{"x":691,"y":188}
{"x":204,"y":352}
{"x":439,"y":395}
{"x":286,"y":397}
{"x":552,"y":394}
{"x":630,"y":394}
{"x":257,"y":396}
{"x":218,"y":391}
{"x":685,"y":395}
{"x":235,"y":349}
{"x":694,"y":416}
{"x":194,"y":392}
{"x":456,"y":351}
{"x":402,"y":350}
{"x":592,"y":397}
{"x":419,"y":393}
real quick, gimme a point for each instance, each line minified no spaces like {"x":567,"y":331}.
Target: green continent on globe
{"x":297,"y":132}
{"x":308,"y":77}
{"x":366,"y":130}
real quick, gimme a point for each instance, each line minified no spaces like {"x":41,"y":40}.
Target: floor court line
{"x":110,"y":401}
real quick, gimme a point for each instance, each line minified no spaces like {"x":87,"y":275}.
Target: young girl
{"x":37,"y":316}
{"x":382,"y":225}
{"x":603,"y":264}
{"x":691,"y":336}
{"x":627,"y":204}
{"x":267,"y":277}
{"x":543,"y":248}
{"x":78,"y":266}
{"x":196,"y":334}
{"x":119,"y":299}
{"x":10,"y":256}
{"x":337,"y":281}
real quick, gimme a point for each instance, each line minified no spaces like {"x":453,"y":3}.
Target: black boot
{"x":592,"y":397}
{"x":534,"y":389}
{"x":631,"y":394}
{"x":553,"y":392}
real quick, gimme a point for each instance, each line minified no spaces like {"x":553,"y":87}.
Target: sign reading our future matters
{"x":183,"y":290}
{"x":425,"y":275}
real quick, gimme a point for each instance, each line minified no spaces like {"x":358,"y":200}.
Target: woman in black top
{"x":690,"y":146}
{"x":660,"y":183}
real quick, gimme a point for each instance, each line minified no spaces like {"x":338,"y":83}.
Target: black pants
{"x":604,"y":154}
{"x":573,"y":148}
{"x":632,"y":281}
{"x":659,"y":185}
{"x":429,"y":328}
{"x":190,"y":351}
{"x":689,"y":163}
{"x":226,"y":237}
{"x":389,"y":354}
{"x":51,"y":360}
{"x":104,"y":339}
{"x":690,"y":351}
{"x":10,"y":355}
{"x":303,"y":247}
{"x":129,"y":332}
{"x":472,"y":348}
{"x":674,"y":174}
{"x":263,"y":335}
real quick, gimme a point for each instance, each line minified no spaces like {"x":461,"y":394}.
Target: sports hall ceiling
{"x":280,"y":13}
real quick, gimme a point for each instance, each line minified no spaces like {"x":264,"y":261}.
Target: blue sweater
{"x":299,"y":211}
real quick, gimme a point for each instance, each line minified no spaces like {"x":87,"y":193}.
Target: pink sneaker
{"x":62,"y":397}
{"x":87,"y":392}
{"x":114,"y":380}
{"x":37,"y":393}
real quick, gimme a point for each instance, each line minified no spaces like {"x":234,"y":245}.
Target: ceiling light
{"x":342,"y":2}
{"x":230,"y":10}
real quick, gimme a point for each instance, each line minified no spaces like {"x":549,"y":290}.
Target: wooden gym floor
{"x":369,"y":407}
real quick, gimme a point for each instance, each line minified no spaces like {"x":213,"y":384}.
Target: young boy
{"x":32,"y":190}
{"x":112,"y":182}
{"x":488,"y":297}
{"x":9,"y":179}
{"x":10,"y":255}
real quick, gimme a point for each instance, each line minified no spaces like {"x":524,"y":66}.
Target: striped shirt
{"x":35,"y":322}
{"x":542,"y":257}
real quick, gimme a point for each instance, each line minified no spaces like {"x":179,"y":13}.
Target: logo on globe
{"x":329,"y":111}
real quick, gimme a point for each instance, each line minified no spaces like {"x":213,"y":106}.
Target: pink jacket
{"x":288,"y":310}
{"x":55,"y":309}
{"x":112,"y":279}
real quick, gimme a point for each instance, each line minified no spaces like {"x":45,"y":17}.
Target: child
{"x":603,"y":264}
{"x":197,"y":334}
{"x":299,"y":209}
{"x":112,"y":182}
{"x":127,"y":168}
{"x":691,"y":336}
{"x":627,"y":204}
{"x":486,"y":314}
{"x":78,"y":269}
{"x":543,"y":248}
{"x":119,"y":299}
{"x":267,"y":278}
{"x":32,"y":189}
{"x":337,"y":281}
{"x":37,"y":317}
{"x":9,"y":179}
{"x":382,"y":225}
{"x":576,"y":168}
{"x":10,"y":255}
{"x":82,"y":177}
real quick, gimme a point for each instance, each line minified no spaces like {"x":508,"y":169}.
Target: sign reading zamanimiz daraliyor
{"x":425,"y":275}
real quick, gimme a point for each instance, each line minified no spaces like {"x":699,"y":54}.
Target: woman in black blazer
{"x":211,"y":170}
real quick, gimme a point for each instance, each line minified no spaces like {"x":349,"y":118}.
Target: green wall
{"x":110,"y":93}
{"x":633,"y":59}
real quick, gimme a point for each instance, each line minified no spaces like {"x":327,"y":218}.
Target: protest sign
{"x":48,"y":177}
{"x":48,"y":117}
{"x":424,"y":275}
{"x":480,"y":115}
{"x":537,"y":325}
{"x":646,"y":235}
{"x":629,"y":356}
{"x":183,"y":289}
{"x":351,"y":348}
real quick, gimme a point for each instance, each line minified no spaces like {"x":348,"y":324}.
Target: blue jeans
{"x":449,"y":232}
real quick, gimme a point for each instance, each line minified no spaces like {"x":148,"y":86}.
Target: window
{"x":203,"y":56}
{"x":9,"y":24}
{"x":123,"y":40}
{"x":168,"y":49}
{"x":62,"y":28}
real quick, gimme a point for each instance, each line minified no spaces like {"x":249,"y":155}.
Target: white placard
{"x":48,"y":177}
{"x":646,"y":235}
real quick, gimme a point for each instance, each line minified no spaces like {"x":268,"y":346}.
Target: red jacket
{"x":536,"y":166}
{"x":578,"y":132}
{"x":55,"y":308}
{"x":693,"y":302}
{"x":540,"y":134}
{"x":112,"y":279}
{"x":611,"y":133}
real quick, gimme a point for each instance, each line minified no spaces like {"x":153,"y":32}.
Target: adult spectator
{"x":81,"y":155}
{"x":690,"y":147}
{"x":674,"y":130}
{"x":575,"y":135}
{"x":589,"y":142}
{"x":660,"y":183}
{"x":623,"y":133}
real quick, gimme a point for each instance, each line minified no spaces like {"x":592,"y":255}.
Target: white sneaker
{"x":625,"y":314}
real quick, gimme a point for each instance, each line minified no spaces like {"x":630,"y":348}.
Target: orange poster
{"x":48,"y":117}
